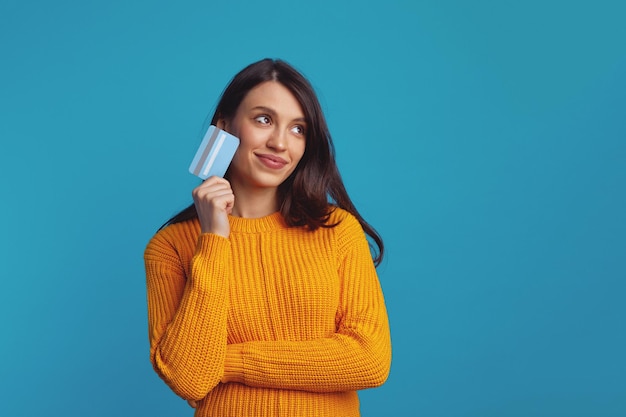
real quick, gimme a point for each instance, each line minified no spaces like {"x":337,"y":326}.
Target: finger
{"x":218,"y":188}
{"x":209,"y":188}
{"x":214,"y":198}
{"x":215,"y":180}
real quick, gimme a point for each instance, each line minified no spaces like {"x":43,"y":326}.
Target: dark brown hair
{"x":310,"y":192}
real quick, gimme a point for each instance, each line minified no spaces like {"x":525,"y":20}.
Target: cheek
{"x":250,"y":138}
{"x":298,"y":152}
{"x":238,"y":158}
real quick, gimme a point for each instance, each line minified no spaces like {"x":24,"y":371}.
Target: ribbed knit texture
{"x":272,"y":321}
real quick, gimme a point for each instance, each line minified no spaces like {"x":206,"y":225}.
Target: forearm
{"x":190,"y":354}
{"x":188,"y":335}
{"x":346,"y":361}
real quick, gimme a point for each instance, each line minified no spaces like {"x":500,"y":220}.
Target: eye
{"x":298,"y":130}
{"x":263,"y":119}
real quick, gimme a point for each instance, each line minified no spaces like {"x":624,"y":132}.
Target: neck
{"x":255,"y":203}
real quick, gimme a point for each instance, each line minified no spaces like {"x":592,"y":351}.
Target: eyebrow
{"x":272,"y":112}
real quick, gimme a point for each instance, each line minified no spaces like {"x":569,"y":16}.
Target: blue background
{"x":485,"y":140}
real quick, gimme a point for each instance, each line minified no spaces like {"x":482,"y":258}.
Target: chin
{"x":264,"y":180}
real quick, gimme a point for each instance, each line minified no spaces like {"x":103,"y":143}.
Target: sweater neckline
{"x":262,"y":224}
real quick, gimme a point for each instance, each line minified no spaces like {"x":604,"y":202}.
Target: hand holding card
{"x":214,"y":154}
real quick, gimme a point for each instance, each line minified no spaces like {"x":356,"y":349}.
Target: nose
{"x":277,"y":140}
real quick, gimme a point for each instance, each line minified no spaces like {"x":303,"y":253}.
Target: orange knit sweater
{"x":272,"y":321}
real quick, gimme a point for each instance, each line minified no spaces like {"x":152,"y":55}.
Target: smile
{"x":271,"y":161}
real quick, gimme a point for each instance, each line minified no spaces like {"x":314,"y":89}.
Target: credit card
{"x":214,"y":154}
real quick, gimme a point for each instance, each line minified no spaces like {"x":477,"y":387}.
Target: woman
{"x":263,"y":298}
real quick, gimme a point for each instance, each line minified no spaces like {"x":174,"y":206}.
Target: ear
{"x":221,"y":124}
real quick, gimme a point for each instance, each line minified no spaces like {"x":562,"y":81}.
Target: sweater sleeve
{"x":187,"y":315}
{"x":356,"y":356}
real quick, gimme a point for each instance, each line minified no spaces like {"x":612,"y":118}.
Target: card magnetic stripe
{"x":200,"y":161}
{"x":221,"y":137}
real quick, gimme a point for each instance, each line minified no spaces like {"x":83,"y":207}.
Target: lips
{"x":272,"y":161}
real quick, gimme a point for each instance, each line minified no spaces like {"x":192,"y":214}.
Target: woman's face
{"x":271,"y":127}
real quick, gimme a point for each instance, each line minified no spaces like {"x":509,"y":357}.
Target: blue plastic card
{"x":214,"y":154}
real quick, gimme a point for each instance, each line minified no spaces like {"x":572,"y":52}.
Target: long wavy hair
{"x":309,"y":194}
